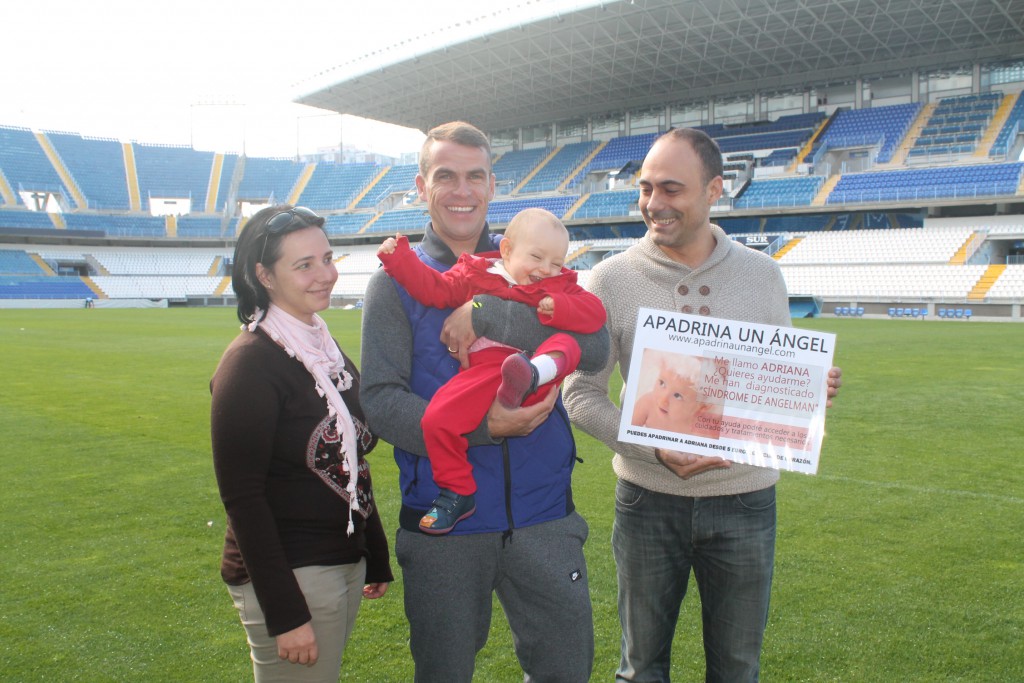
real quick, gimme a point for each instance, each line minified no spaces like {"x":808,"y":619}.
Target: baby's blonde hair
{"x":533,"y":216}
{"x":686,"y":367}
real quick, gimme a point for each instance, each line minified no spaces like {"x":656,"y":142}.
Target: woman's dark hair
{"x":260,"y":242}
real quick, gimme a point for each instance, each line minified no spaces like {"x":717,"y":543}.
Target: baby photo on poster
{"x":743,"y":391}
{"x":673,"y":397}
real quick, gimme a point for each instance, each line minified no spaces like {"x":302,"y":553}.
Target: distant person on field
{"x":527,"y":268}
{"x":304,"y":542}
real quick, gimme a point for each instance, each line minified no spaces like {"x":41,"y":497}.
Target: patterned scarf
{"x":313,"y":346}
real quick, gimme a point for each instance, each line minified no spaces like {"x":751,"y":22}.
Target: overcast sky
{"x":161,"y":70}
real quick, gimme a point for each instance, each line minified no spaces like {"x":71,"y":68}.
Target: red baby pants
{"x":461,"y":404}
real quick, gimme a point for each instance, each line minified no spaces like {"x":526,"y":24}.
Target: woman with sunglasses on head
{"x":304,"y":541}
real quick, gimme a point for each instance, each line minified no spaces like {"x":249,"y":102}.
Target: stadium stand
{"x":980,"y":180}
{"x":902,"y":281}
{"x":740,"y":226}
{"x":801,"y":223}
{"x":618,"y":153}
{"x":906,"y":245}
{"x":269,"y":180}
{"x":43,"y":287}
{"x":114,"y":225}
{"x":334,"y":186}
{"x":354,"y":270}
{"x":397,"y":179}
{"x":346,"y":223}
{"x":883,"y":127}
{"x":609,"y":205}
{"x":955,"y":125}
{"x":156,"y":286}
{"x":166,"y":171}
{"x":501,"y":211}
{"x":1010,"y":285}
{"x":511,"y":168}
{"x":25,"y":166}
{"x":860,"y":262}
{"x":556,"y":171}
{"x":780,"y":157}
{"x":798,"y":191}
{"x":163,"y":262}
{"x":224,"y":187}
{"x":16,"y":262}
{"x":1011,"y":128}
{"x":199,"y":226}
{"x":32,"y":220}
{"x":97,"y":166}
{"x":396,"y":220}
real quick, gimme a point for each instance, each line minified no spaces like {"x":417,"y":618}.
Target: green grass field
{"x":901,"y":561}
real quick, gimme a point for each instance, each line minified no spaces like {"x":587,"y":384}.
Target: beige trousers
{"x":333,"y":595}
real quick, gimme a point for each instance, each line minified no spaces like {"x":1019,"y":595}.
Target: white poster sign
{"x":745,"y":392}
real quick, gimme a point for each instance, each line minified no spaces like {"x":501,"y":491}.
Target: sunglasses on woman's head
{"x":286,"y":221}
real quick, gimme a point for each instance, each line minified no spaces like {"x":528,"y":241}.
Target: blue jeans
{"x":728,"y":542}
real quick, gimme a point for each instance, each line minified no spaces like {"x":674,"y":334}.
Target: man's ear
{"x":421,"y":188}
{"x":715,"y":188}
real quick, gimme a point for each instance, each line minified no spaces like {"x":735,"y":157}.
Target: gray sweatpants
{"x":540,"y":577}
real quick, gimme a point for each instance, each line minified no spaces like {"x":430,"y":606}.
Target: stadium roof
{"x":616,"y":55}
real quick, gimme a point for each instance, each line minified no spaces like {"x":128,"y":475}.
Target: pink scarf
{"x":313,"y":346}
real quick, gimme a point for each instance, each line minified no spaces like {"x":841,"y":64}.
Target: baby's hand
{"x":389,"y":245}
{"x":546,"y":306}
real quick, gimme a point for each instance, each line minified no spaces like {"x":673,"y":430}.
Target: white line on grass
{"x":926,"y":489}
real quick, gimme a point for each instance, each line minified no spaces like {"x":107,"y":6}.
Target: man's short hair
{"x":704,"y":145}
{"x":459,"y":132}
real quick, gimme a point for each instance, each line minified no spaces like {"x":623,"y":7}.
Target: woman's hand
{"x":372,"y":591}
{"x":298,"y":646}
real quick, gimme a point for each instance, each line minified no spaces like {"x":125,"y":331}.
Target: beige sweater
{"x":736,"y":283}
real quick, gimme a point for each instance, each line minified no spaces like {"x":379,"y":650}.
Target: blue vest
{"x":521,"y":481}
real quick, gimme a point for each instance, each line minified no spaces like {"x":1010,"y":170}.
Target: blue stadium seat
{"x":967,"y":313}
{"x":959,"y":313}
{"x":913,"y":312}
{"x":172,"y":171}
{"x":860,"y":311}
{"x":785,"y":192}
{"x":839,"y":310}
{"x":987,"y":180}
{"x":941,"y":312}
{"x":608,"y":204}
{"x":892,"y":312}
{"x":564,"y":162}
{"x":899,"y":312}
{"x":845,"y":310}
{"x":924,"y":313}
